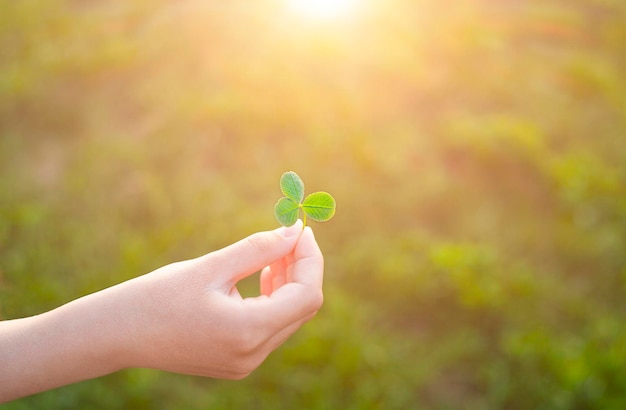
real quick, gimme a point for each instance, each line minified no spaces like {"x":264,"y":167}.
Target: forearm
{"x":80,"y":340}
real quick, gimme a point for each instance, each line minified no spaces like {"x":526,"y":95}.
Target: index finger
{"x":308,"y":267}
{"x":301,"y":296}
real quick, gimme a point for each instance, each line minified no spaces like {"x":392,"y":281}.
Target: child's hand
{"x":187,"y":317}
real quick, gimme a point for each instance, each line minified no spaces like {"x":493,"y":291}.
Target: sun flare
{"x":321,"y":9}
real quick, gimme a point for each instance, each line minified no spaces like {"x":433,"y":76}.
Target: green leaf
{"x":319,"y":206}
{"x":292,"y":186}
{"x":286,"y":211}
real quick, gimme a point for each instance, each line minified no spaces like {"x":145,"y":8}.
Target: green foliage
{"x":319,"y":206}
{"x":292,"y":187}
{"x":477,"y":151}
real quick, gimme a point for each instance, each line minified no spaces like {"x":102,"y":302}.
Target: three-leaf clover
{"x":319,"y":206}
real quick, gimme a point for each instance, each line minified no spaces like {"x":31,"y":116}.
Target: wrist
{"x":110,"y":322}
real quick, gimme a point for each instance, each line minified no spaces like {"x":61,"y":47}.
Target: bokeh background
{"x":476,"y":149}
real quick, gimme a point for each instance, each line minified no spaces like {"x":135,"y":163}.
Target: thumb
{"x":243,"y":258}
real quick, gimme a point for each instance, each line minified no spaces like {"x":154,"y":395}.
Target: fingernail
{"x":292,"y":230}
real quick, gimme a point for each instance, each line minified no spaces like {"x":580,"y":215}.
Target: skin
{"x":186,"y":317}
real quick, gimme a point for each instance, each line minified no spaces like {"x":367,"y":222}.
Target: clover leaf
{"x":319,"y":206}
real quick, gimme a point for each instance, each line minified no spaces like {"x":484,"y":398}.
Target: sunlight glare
{"x":321,"y":9}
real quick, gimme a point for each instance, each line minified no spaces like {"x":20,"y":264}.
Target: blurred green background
{"x":476,"y":149}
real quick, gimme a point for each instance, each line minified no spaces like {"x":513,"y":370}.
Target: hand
{"x":191,"y":318}
{"x":187,"y":317}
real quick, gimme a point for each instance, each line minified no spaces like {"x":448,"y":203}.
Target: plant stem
{"x":304,"y":216}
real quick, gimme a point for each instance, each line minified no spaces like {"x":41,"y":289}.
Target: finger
{"x":266,"y":281}
{"x":250,"y":254}
{"x":289,"y":262}
{"x":296,"y":300}
{"x":274,"y":276}
{"x":290,"y":305}
{"x":279,"y":274}
{"x":308,"y":265}
{"x":277,"y":339}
